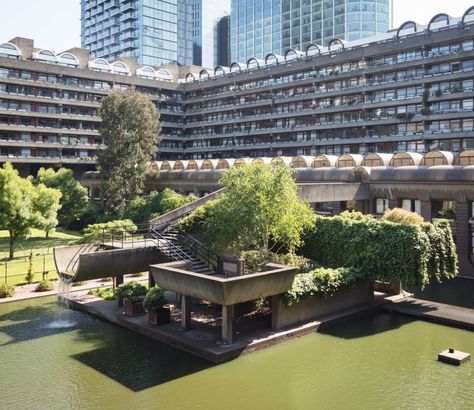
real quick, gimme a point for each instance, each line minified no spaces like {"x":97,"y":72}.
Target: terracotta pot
{"x":133,"y":308}
{"x":160,"y":316}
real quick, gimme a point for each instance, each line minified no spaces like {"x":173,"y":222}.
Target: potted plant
{"x":154,"y":304}
{"x":132,"y":294}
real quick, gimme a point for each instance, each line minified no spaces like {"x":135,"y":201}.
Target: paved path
{"x":28,"y":291}
{"x":432,"y":311}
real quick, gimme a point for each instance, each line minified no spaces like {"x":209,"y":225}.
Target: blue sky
{"x":55,"y":24}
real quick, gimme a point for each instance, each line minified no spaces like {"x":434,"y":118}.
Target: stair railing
{"x":174,"y":252}
{"x":199,"y":250}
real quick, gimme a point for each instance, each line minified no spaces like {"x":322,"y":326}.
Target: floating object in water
{"x":455,"y":357}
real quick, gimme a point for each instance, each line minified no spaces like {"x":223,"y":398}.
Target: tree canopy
{"x":259,"y":210}
{"x":130,"y":128}
{"x":24,"y":205}
{"x":74,"y":196}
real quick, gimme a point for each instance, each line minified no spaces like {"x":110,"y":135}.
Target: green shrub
{"x":44,"y":286}
{"x":133,"y":291}
{"x":197,"y":219}
{"x":113,"y":230}
{"x":383,"y":250}
{"x":321,"y":282}
{"x":401,"y":216}
{"x":6,"y":290}
{"x":254,"y":261}
{"x":104,"y":293}
{"x":154,"y":299}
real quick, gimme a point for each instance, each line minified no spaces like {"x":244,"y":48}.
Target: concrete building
{"x":211,"y":33}
{"x":408,"y":90}
{"x":274,"y":26}
{"x":154,"y":32}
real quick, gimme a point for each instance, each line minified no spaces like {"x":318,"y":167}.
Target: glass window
{"x":381,"y":205}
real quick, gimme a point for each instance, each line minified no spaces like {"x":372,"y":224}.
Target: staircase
{"x":170,"y":242}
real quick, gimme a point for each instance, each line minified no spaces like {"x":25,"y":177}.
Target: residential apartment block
{"x":411,"y":89}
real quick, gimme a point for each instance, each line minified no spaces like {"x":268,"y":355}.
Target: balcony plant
{"x":154,"y":303}
{"x":132,"y":294}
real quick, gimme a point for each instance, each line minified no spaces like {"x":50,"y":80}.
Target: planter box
{"x":133,"y":309}
{"x":159,"y":317}
{"x":315,"y":307}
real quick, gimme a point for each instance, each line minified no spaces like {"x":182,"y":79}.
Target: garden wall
{"x":315,"y":307}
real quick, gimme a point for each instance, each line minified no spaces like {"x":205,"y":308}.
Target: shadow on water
{"x":368,"y":325}
{"x":133,"y":360}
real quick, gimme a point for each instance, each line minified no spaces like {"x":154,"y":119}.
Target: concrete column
{"x":276,"y":307}
{"x":227,"y":321}
{"x":185,"y":312}
{"x":118,"y":280}
{"x":426,"y":210}
{"x":359,"y":206}
{"x":151,"y":281}
{"x":336,"y":208}
{"x":463,"y":239}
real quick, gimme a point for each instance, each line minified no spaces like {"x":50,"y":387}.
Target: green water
{"x":51,"y":359}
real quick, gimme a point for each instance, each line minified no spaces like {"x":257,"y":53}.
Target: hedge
{"x":383,"y":250}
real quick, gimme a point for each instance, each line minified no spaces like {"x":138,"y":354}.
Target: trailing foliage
{"x":133,"y":291}
{"x":321,"y":282}
{"x":197,"y":219}
{"x":154,"y":299}
{"x":44,"y":286}
{"x":6,"y":290}
{"x":104,"y":293}
{"x":113,"y":230}
{"x":401,"y":216}
{"x":383,"y":250}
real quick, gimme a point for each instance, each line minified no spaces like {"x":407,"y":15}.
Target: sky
{"x":55,"y":24}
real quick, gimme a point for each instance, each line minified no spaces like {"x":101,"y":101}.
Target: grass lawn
{"x":42,"y":249}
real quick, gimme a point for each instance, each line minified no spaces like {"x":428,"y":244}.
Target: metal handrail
{"x":173,"y":250}
{"x":198,"y":249}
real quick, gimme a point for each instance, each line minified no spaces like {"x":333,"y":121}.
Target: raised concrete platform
{"x":455,"y":357}
{"x":203,"y":339}
{"x":434,"y":312}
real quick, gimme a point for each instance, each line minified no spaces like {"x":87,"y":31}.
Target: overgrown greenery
{"x":104,"y":293}
{"x":154,"y":299}
{"x":24,"y":206}
{"x":254,"y":261}
{"x":113,"y":230}
{"x":143,"y":209}
{"x":259,"y":210}
{"x":383,"y":250}
{"x":6,"y":290}
{"x":321,"y":282}
{"x":73,"y":195}
{"x":44,"y":286}
{"x":130,"y":128}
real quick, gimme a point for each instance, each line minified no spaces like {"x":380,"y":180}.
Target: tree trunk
{"x":47,"y":234}
{"x":12,"y":244}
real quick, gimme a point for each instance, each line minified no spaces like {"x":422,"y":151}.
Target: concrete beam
{"x":332,"y":192}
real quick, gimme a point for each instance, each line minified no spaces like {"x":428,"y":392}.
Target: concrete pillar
{"x":426,"y":210}
{"x":151,"y":281}
{"x":118,"y":280}
{"x":336,"y":208}
{"x":227,"y":321}
{"x":359,"y":206}
{"x":276,"y":307}
{"x":463,"y":239}
{"x":185,"y":312}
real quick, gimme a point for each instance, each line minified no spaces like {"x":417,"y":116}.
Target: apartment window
{"x":381,"y":205}
{"x":412,"y":205}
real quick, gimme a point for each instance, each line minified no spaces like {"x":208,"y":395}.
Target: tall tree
{"x":74,"y":195}
{"x":130,"y":128}
{"x":46,"y":204}
{"x":23,"y":206}
{"x":260,"y":208}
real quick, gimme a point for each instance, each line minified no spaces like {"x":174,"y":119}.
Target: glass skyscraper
{"x":260,"y":27}
{"x":155,"y":32}
{"x":211,"y":32}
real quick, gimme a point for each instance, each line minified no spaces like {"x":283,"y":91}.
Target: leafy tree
{"x":259,"y":210}
{"x":74,"y":195}
{"x":46,"y":205}
{"x":130,"y":128}
{"x":22,"y":205}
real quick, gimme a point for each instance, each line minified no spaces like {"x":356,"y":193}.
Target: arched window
{"x":220,"y":71}
{"x":190,"y":77}
{"x":236,"y":67}
{"x":146,"y":72}
{"x":120,"y":68}
{"x":253,"y":63}
{"x":273,"y":59}
{"x":68,"y":59}
{"x":46,"y":55}
{"x":204,"y":75}
{"x":164,"y":75}
{"x":99,"y":64}
{"x":406,"y":26}
{"x":468,"y":14}
{"x":292,"y":54}
{"x":336,"y":44}
{"x":436,"y":20}
{"x":313,"y":50}
{"x":9,"y":50}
